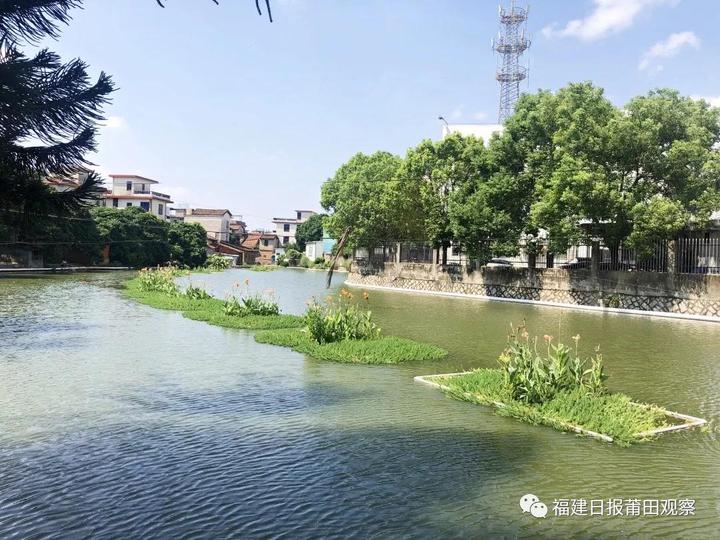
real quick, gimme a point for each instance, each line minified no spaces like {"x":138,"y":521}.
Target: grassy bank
{"x":381,"y":350}
{"x":613,"y":414}
{"x":210,"y":310}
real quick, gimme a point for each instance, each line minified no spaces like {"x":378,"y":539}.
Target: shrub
{"x":340,"y":319}
{"x":534,"y":378}
{"x":292,"y":256}
{"x":196,"y":293}
{"x":217,"y":263}
{"x":251,"y":305}
{"x":305,"y":262}
{"x":158,"y":280}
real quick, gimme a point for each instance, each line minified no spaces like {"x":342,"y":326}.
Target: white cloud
{"x":668,"y":48}
{"x":482,"y":115}
{"x":713,"y":101}
{"x":115,"y":122}
{"x":608,"y":17}
{"x":457,"y":113}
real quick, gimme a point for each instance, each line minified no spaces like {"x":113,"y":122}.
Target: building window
{"x":128,"y":205}
{"x":145,"y":205}
{"x":286,"y":239}
{"x":128,"y":186}
{"x":142,"y":187}
{"x":299,"y":215}
{"x":286,"y":227}
{"x":115,"y":203}
{"x":160,"y":209}
{"x":265,"y":243}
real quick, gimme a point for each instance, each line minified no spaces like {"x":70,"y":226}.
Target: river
{"x":120,"y":420}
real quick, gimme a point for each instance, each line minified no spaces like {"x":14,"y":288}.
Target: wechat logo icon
{"x":530,"y":503}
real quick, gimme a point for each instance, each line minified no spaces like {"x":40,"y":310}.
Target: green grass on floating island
{"x":259,"y":267}
{"x":383,"y":350}
{"x":614,"y":414}
{"x":209,"y":310}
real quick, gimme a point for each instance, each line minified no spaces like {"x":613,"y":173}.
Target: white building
{"x":133,"y":190}
{"x":216,"y":222}
{"x":481,"y":131}
{"x":285,"y":228}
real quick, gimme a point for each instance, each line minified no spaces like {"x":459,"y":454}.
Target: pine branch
{"x":32,"y":20}
{"x":43,"y":99}
{"x":64,"y":202}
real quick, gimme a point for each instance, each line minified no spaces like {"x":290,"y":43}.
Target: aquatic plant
{"x":615,"y":415}
{"x":160,"y":280}
{"x":340,"y":319}
{"x":196,"y":293}
{"x":534,"y":377}
{"x":383,"y":350}
{"x":203,"y":307}
{"x":251,"y":305}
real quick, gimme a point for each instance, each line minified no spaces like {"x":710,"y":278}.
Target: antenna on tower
{"x":510,"y":44}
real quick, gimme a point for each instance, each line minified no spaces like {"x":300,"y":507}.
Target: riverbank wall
{"x":684,"y":294}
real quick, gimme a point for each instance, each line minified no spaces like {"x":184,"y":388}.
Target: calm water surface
{"x":121,"y":421}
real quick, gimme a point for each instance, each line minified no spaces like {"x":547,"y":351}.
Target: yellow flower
{"x":247,"y":281}
{"x":576,"y":338}
{"x":366,"y":296}
{"x":547,"y":338}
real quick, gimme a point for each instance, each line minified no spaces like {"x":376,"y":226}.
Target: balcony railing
{"x":148,"y":192}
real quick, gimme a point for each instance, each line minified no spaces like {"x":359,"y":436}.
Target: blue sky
{"x":228,"y":110}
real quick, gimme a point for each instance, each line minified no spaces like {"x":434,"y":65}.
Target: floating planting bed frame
{"x":687,"y":421}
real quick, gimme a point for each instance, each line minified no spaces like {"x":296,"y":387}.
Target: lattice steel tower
{"x":510,"y":43}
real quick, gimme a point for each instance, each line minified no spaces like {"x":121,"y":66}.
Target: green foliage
{"x":340,"y":319}
{"x":196,"y":293}
{"x":217,"y":263}
{"x":248,"y":322}
{"x":536,"y":378}
{"x":383,"y":350}
{"x":188,"y":243}
{"x":136,"y":238}
{"x":367,"y":197}
{"x":201,"y":306}
{"x":635,"y":174}
{"x":310,"y":230}
{"x":615,"y":414}
{"x":161,"y":280}
{"x":291,"y":257}
{"x":305,"y":262}
{"x":55,"y":105}
{"x":251,"y":305}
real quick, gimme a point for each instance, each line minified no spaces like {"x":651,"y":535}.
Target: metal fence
{"x":682,"y":256}
{"x":417,"y":252}
{"x":697,"y":255}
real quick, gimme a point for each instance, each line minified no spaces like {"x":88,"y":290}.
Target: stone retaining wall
{"x":689,"y":294}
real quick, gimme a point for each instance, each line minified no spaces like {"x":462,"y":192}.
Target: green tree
{"x":136,"y":238}
{"x":633,"y":175}
{"x":45,"y":100}
{"x":445,"y":174}
{"x":367,"y":200}
{"x":311,"y":230}
{"x":188,"y":243}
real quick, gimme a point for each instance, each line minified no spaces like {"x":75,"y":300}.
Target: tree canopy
{"x":569,"y":162}
{"x":310,"y":230}
{"x":188,"y":243}
{"x":366,"y":198}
